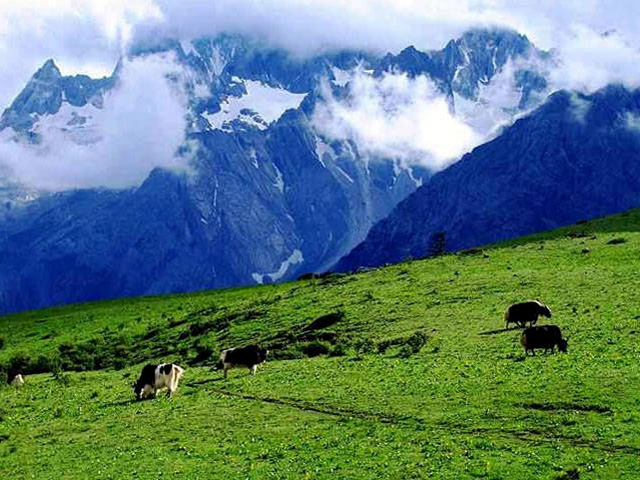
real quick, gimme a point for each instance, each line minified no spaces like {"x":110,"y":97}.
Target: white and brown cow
{"x":156,"y":377}
{"x":250,"y":357}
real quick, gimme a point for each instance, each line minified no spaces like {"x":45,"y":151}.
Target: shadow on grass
{"x":502,"y":330}
{"x":123,"y":403}
{"x":204,"y":382}
{"x":565,"y":406}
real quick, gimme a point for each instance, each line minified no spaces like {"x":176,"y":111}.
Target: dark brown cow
{"x":543,"y":336}
{"x":250,"y":357}
{"x":526,"y":312}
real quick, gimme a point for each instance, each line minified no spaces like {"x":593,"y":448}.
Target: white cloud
{"x":589,"y":60}
{"x":141,"y":126}
{"x":89,"y":35}
{"x":395,"y":116}
{"x":498,"y":102}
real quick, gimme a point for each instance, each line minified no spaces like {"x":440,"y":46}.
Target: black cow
{"x":525,"y":312}
{"x":156,"y":377}
{"x":543,"y":336}
{"x":250,"y":356}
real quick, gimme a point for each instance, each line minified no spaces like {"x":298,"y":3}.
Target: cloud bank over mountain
{"x":89,"y":35}
{"x":396,"y":117}
{"x":390,"y":116}
{"x":141,"y":127}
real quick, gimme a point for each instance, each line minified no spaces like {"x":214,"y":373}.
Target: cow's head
{"x":137,"y":389}
{"x":544,"y":310}
{"x":562,"y":345}
{"x":262,"y":354}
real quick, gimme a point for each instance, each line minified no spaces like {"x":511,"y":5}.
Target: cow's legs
{"x":225,"y":370}
{"x":170,"y":388}
{"x":173,"y":384}
{"x":253,"y":369}
{"x":148,"y":392}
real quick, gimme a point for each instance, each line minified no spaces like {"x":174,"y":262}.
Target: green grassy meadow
{"x":417,"y":379}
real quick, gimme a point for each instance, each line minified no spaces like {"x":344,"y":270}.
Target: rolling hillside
{"x":417,"y":377}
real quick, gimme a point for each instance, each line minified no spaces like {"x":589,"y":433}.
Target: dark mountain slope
{"x":575,"y":157}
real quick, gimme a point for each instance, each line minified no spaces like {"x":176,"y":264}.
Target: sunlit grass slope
{"x":417,"y":377}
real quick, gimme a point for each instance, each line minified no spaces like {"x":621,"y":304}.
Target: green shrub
{"x":286,"y":354}
{"x":408,"y":345}
{"x":339,"y":350}
{"x":365,"y":346}
{"x":204,"y":352}
{"x":315,"y":348}
{"x":19,"y":363}
{"x":119,"y":363}
{"x":384,"y":345}
{"x":417,"y":341}
{"x":78,"y":357}
{"x":405,"y":351}
{"x":62,"y":377}
{"x":42,"y":364}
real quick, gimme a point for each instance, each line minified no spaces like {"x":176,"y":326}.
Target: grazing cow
{"x":525,"y":312}
{"x":543,"y":336}
{"x":157,"y":377}
{"x":250,"y":356}
{"x":17,"y":381}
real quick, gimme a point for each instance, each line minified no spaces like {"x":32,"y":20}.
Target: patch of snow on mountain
{"x":345,"y":174}
{"x":462,"y":66}
{"x":294,"y":259}
{"x":416,"y":181}
{"x":268,"y":102}
{"x":632,"y":122}
{"x":496,"y":105}
{"x":79,"y":124}
{"x":187,"y":47}
{"x":201,"y":90}
{"x":279,"y":183}
{"x":217,"y":62}
{"x":340,"y":77}
{"x":323,"y":149}
{"x":253,"y":157}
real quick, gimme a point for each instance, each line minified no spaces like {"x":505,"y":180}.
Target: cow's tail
{"x":506,"y":318}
